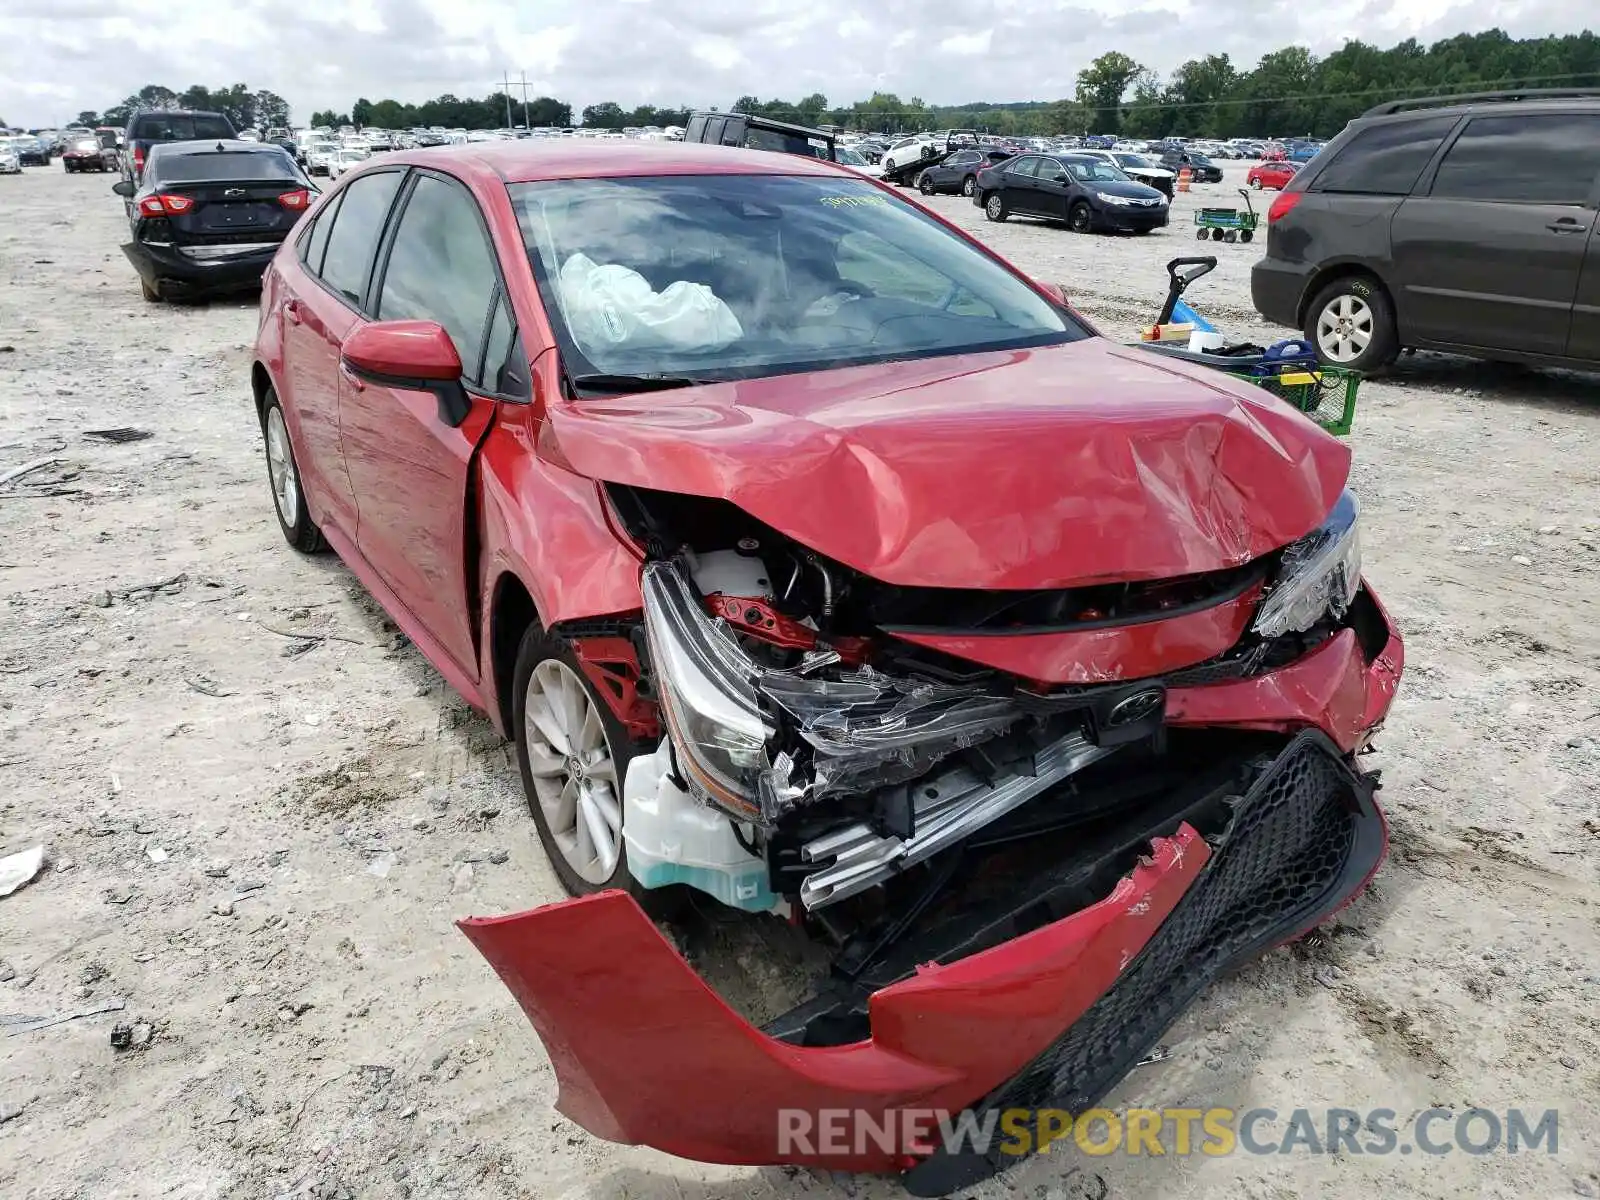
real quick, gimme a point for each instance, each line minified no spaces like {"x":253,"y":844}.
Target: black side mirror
{"x":122,"y":188}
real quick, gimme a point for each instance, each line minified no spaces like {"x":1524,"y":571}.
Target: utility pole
{"x":506,"y":88}
{"x":527,"y":122}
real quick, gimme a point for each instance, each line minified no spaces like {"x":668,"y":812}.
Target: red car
{"x":1271,"y":175}
{"x":817,"y":560}
{"x":1275,"y":152}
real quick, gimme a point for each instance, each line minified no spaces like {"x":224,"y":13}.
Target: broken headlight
{"x":759,"y":741}
{"x":707,"y":693}
{"x":1318,"y":576}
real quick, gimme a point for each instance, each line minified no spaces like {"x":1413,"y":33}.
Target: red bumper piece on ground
{"x":647,"y":1053}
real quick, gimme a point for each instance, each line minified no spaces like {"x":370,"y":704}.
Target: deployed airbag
{"x":614,"y":307}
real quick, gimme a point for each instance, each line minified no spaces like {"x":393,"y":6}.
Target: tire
{"x":1351,"y":323}
{"x":924,"y":184}
{"x":1255,"y":184}
{"x":969,"y":185}
{"x":1080,"y":217}
{"x":994,"y":207}
{"x":1201,"y":235}
{"x":547,"y":669}
{"x":1231,"y":236}
{"x":150,"y":294}
{"x":1247,"y":236}
{"x":1216,"y":235}
{"x":283,"y":478}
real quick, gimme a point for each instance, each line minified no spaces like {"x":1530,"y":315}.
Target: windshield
{"x":1094,"y":170}
{"x":1136,"y":161}
{"x":738,"y":276}
{"x":848,"y":156}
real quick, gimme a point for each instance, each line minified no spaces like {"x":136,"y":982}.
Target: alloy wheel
{"x":968,"y":186}
{"x":1344,"y":328}
{"x":994,"y":208}
{"x":574,"y":772}
{"x":280,"y":467}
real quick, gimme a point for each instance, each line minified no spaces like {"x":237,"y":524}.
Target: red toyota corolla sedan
{"x":817,"y":560}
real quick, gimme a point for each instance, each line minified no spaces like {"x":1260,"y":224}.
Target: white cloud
{"x":60,"y":56}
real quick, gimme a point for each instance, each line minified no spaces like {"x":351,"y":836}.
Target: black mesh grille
{"x":1286,"y":857}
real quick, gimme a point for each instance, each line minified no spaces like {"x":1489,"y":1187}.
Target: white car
{"x":912,"y":149}
{"x":320,"y":157}
{"x":10,"y":160}
{"x":856,"y":161}
{"x":348,"y":158}
{"x":1136,"y":167}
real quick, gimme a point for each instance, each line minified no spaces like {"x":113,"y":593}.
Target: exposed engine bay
{"x":813,"y":751}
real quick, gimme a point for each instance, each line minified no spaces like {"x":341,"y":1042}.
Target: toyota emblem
{"x":1135,"y":708}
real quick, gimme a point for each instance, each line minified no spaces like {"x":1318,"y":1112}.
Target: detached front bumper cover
{"x":646,"y":1052}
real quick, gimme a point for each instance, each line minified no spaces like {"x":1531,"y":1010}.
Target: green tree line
{"x":245,"y":108}
{"x":1288,"y":92}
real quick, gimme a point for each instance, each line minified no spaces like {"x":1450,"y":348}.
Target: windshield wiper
{"x":618,"y":384}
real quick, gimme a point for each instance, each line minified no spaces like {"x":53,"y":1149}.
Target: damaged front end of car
{"x":1028,"y":827}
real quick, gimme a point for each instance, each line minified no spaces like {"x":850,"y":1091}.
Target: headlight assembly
{"x":757,"y":741}
{"x":1113,"y":198}
{"x":1318,"y":576}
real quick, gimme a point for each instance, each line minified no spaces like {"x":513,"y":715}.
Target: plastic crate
{"x":1325,"y":394}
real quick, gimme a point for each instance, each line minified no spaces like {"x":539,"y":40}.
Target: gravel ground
{"x":263,"y":810}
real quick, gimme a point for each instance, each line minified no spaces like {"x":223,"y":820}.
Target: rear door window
{"x":442,"y":267}
{"x":1385,"y":160}
{"x":696,"y":129}
{"x":353,"y":240}
{"x":1528,"y":159}
{"x":315,"y":242}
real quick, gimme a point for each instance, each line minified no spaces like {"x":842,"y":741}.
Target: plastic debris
{"x":18,"y":869}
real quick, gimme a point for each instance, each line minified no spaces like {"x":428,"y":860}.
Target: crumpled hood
{"x":1063,"y":466}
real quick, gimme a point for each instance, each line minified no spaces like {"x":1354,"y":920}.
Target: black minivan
{"x":759,"y":133}
{"x":1468,"y":224}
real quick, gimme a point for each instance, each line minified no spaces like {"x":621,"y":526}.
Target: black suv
{"x":1458,"y":223}
{"x":145,"y":129}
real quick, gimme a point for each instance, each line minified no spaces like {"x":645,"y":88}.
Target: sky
{"x":60,"y":56}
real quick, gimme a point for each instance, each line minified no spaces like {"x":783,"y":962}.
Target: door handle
{"x":352,"y":378}
{"x":1566,"y":225}
{"x":291,"y":309}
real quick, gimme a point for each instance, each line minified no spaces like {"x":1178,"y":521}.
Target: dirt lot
{"x":263,"y":810}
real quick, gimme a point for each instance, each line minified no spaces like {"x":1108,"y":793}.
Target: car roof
{"x":534,"y":160}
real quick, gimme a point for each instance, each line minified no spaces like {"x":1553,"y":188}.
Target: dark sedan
{"x":1087,"y":193}
{"x":959,"y":172}
{"x":1201,"y":168}
{"x":32,"y":151}
{"x":207,"y":217}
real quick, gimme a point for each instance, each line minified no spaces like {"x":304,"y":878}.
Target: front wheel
{"x":995,"y":207}
{"x":1255,"y":183}
{"x":968,"y":186}
{"x":924,"y":184}
{"x":573,"y":754}
{"x":1080,"y":218}
{"x":1351,"y":323}
{"x":283,"y":474}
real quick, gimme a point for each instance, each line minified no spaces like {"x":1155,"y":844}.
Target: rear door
{"x":410,"y":469}
{"x":322,"y":305}
{"x":1021,"y":185}
{"x":1490,"y":257}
